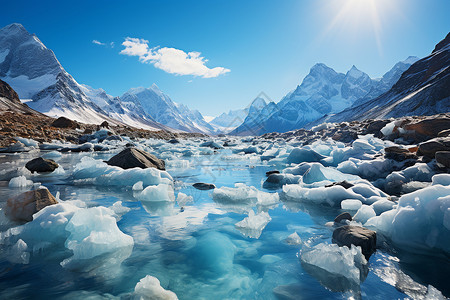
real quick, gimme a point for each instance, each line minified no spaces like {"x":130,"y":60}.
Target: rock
{"x":342,"y":217}
{"x":443,"y":158}
{"x":430,"y":147}
{"x":348,"y":235}
{"x":173,"y":141}
{"x":399,"y":154}
{"x":8,"y":92}
{"x":104,"y":124}
{"x":41,"y":165}
{"x":444,"y":133}
{"x":23,"y":206}
{"x":345,"y":184}
{"x":133,"y":157}
{"x":204,"y":186}
{"x":272,"y":172}
{"x":375,"y":127}
{"x":429,"y":127}
{"x":63,"y":122}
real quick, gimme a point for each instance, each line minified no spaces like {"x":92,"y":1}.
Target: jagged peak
{"x":355,"y":72}
{"x":410,"y":60}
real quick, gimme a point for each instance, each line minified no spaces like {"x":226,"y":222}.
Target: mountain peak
{"x":258,"y":103}
{"x":319,"y":66}
{"x":355,"y":72}
{"x":410,"y":60}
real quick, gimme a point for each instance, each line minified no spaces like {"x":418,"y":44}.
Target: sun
{"x":357,"y":18}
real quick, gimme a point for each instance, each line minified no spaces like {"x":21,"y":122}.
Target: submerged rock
{"x":204,"y":186}
{"x":342,"y":217}
{"x":348,"y":235}
{"x":25,"y":205}
{"x":272,"y":172}
{"x":173,"y":141}
{"x":133,"y":157}
{"x":41,"y":165}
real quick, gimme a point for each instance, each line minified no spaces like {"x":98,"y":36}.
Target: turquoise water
{"x":197,"y":252}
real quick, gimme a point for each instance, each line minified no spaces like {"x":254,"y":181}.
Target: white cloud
{"x":171,"y":60}
{"x":98,"y":42}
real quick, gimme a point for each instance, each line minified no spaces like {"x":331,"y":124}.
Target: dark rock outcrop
{"x":345,"y":184}
{"x":399,"y":154}
{"x":204,"y":186}
{"x":342,"y":217}
{"x":63,"y":122}
{"x":430,"y":147}
{"x":7,"y":92}
{"x":272,"y":172}
{"x":348,"y":235}
{"x":23,"y":206}
{"x":133,"y":157}
{"x":41,"y":165}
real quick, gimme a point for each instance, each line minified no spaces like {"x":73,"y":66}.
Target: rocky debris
{"x":22,"y":207}
{"x":272,"y":172}
{"x":430,"y":147}
{"x":104,"y":124}
{"x":342,"y":217}
{"x":348,"y":235}
{"x":399,"y":154}
{"x":204,"y":186}
{"x":443,"y":158}
{"x":133,"y":157}
{"x":430,"y":127}
{"x":345,"y":184}
{"x":41,"y":165}
{"x":8,"y":92}
{"x":63,"y":122}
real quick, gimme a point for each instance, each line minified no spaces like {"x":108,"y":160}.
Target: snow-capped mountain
{"x":423,"y":89}
{"x":322,"y":92}
{"x":226,"y":122}
{"x":35,"y":73}
{"x":154,"y":103}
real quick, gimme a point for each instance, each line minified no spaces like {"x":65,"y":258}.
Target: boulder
{"x":443,"y":158}
{"x":342,"y":217}
{"x":23,"y":206}
{"x":444,"y":133}
{"x":133,"y":157}
{"x":173,"y":141}
{"x":63,"y":122}
{"x":430,"y":147}
{"x":41,"y":165}
{"x":272,"y":172}
{"x":104,"y":124}
{"x":204,"y":186}
{"x":399,"y":154}
{"x":348,"y":235}
{"x":429,"y":127}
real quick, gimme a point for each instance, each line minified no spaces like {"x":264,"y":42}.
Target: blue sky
{"x":250,"y":46}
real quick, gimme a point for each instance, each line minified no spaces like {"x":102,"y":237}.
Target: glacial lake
{"x":196,"y":251}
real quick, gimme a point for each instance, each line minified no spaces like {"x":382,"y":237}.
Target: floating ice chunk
{"x":367,"y":190}
{"x":20,"y":182}
{"x":119,"y":209}
{"x":331,"y":196}
{"x":443,"y":179}
{"x":158,"y":193}
{"x":317,"y":173}
{"x":240,"y":194}
{"x":360,"y":144}
{"x":138,"y":186}
{"x":267,"y":199}
{"x":320,"y":127}
{"x":27,"y":142}
{"x":338,"y":261}
{"x":254,"y":224}
{"x":19,"y":253}
{"x":299,"y":169}
{"x":348,"y":167}
{"x":434,"y":294}
{"x":269,"y":259}
{"x":178,"y":163}
{"x":388,"y":128}
{"x":382,"y":205}
{"x":293,"y":239}
{"x":183,"y":199}
{"x":364,"y":213}
{"x":351,"y":204}
{"x":100,"y":173}
{"x":149,"y":288}
{"x":52,"y":155}
{"x":420,"y":222}
{"x":94,"y":232}
{"x":299,"y":155}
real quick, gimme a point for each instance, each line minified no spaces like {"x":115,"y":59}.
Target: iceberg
{"x":149,"y":288}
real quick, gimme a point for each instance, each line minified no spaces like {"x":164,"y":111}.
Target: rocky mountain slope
{"x":323,"y":91}
{"x":424,"y":89}
{"x":35,"y":73}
